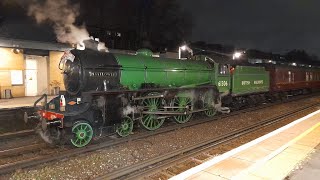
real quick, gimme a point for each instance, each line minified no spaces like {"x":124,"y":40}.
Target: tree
{"x":298,"y":56}
{"x":168,"y":24}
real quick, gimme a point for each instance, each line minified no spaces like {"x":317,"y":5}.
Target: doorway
{"x":36,"y":75}
{"x":31,"y":83}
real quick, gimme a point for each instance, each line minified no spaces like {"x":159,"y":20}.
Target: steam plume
{"x":63,"y":15}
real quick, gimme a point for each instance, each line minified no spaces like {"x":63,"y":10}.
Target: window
{"x":16,"y":77}
{"x":223,"y":69}
{"x":307,"y":76}
{"x":290,"y":76}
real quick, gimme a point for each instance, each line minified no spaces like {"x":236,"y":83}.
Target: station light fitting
{"x":16,"y":50}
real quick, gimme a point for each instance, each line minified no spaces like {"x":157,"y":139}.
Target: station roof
{"x":28,"y":44}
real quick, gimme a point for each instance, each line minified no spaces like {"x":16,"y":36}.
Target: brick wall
{"x":54,"y":71}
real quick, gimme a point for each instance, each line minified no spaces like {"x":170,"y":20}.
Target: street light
{"x":236,"y":55}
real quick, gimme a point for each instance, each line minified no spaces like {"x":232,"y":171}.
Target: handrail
{"x":45,"y":96}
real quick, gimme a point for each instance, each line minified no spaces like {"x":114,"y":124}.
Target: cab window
{"x":223,"y":69}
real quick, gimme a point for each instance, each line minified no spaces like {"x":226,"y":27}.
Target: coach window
{"x":292,"y":76}
{"x":311,"y":76}
{"x":289,"y":76}
{"x":223,"y":69}
{"x":307,"y":76}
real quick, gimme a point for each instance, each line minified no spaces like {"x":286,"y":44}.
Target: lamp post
{"x":236,"y":55}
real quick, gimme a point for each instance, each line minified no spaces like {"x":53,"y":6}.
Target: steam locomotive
{"x":108,"y":92}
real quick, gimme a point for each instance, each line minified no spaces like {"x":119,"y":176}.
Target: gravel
{"x":91,"y":165}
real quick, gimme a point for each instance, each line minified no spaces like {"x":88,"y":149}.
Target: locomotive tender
{"x":108,"y":92}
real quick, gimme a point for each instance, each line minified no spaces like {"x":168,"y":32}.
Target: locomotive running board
{"x":147,"y":97}
{"x":173,"y":112}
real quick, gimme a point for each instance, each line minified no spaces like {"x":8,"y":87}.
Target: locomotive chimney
{"x":91,"y":44}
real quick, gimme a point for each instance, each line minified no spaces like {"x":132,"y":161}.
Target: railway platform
{"x":19,"y":102}
{"x":273,"y":156}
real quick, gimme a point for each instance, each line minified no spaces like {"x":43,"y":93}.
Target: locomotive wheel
{"x":125,"y":127}
{"x":182,"y":102}
{"x":208,"y":104}
{"x":151,"y":121}
{"x":82,"y":134}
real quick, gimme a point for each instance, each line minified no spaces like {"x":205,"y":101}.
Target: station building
{"x":30,"y":68}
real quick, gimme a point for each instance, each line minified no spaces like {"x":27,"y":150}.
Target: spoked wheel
{"x":125,"y":127}
{"x":82,"y":134}
{"x":182,"y":103}
{"x":208,"y":103}
{"x":151,"y":121}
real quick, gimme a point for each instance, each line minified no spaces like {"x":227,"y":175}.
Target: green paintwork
{"x":182,"y":102}
{"x":125,"y":127}
{"x":249,"y":79}
{"x":82,"y":134}
{"x":144,"y":52}
{"x":151,"y":121}
{"x":140,"y":69}
{"x":222,"y":81}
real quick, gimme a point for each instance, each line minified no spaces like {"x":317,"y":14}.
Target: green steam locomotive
{"x":110,"y":93}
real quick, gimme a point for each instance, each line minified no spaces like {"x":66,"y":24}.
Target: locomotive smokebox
{"x":89,"y":70}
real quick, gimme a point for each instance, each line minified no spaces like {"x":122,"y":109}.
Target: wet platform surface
{"x":273,"y":156}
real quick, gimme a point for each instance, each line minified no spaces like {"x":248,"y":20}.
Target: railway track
{"x":147,"y":168}
{"x":15,"y":151}
{"x":17,"y":134}
{"x":19,"y":143}
{"x":11,"y":120}
{"x":10,"y":167}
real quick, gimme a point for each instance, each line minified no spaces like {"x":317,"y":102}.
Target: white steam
{"x":63,"y":16}
{"x":102,"y":47}
{"x":128,"y":110}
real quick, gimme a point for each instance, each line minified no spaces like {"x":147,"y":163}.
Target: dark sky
{"x":270,"y":25}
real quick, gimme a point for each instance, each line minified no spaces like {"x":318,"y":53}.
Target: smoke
{"x":43,"y":134}
{"x":63,"y":16}
{"x":219,"y":106}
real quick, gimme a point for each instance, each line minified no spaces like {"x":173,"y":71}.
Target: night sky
{"x":273,"y":25}
{"x":269,"y":25}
